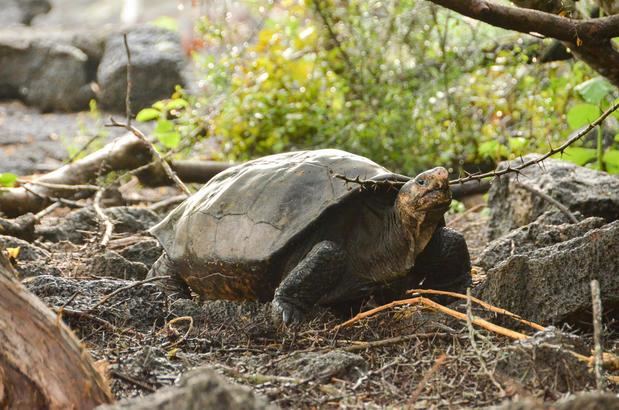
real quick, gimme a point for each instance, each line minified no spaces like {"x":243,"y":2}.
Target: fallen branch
{"x":420,"y":300}
{"x":42,"y":364}
{"x":125,"y":153}
{"x":481,"y":303}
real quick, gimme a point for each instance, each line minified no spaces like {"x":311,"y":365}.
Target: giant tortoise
{"x":286,"y":228}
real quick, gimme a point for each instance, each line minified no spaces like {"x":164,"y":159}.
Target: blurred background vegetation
{"x":403,"y":82}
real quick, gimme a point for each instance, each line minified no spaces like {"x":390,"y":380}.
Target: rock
{"x":579,"y":189}
{"x":114,"y":265}
{"x":534,"y":236}
{"x":157,"y":62}
{"x":146,"y":252}
{"x":200,"y":388}
{"x":71,"y":227}
{"x":581,"y":401}
{"x":589,"y":401}
{"x":552,"y":284}
{"x":50,"y":70}
{"x":323,"y":366}
{"x":21,"y":227}
{"x":32,"y":260}
{"x":21,"y":11}
{"x":138,"y":307}
{"x":545,"y":359}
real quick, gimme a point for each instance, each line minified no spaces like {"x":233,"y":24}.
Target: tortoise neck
{"x":401,"y":233}
{"x":416,"y":227}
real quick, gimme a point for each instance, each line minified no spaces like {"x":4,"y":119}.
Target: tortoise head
{"x":422,"y":202}
{"x":427,"y":192}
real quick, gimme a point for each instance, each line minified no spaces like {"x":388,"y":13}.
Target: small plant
{"x":596,"y":95}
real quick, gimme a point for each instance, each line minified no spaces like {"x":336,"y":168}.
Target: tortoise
{"x":285,"y":228}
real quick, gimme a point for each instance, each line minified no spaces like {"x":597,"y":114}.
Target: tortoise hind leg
{"x":317,"y":273}
{"x":173,"y":285}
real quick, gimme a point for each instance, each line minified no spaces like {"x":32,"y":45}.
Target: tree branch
{"x":599,"y":30}
{"x":590,"y":40}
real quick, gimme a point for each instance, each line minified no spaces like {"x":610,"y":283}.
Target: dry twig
{"x":107,"y":223}
{"x":480,"y":358}
{"x":436,"y":306}
{"x":481,"y":303}
{"x":426,"y":377}
{"x":110,"y":295}
{"x":597,"y":334}
{"x":186,"y":335}
{"x":166,"y":166}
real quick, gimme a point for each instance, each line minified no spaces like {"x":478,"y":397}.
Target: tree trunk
{"x":42,"y":364}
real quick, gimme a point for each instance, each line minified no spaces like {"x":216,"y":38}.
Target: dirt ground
{"x":404,"y":357}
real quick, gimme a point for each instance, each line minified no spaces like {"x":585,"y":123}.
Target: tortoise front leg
{"x":317,"y":273}
{"x":445,"y":263}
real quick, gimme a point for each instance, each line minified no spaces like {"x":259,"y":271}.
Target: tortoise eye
{"x":421,"y":182}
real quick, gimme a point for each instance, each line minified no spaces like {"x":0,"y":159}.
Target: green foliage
{"x":170,"y":119}
{"x":597,"y":93}
{"x":403,"y":82}
{"x":8,"y":180}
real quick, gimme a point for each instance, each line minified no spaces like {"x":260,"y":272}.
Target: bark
{"x":42,"y":365}
{"x":590,"y":40}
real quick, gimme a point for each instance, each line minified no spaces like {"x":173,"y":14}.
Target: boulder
{"x":581,"y":401}
{"x":15,"y":12}
{"x":200,"y":388}
{"x":50,"y":70}
{"x":541,"y":233}
{"x":146,"y":251}
{"x":551,"y":284}
{"x":111,"y":264}
{"x":157,"y":63}
{"x":547,"y":359}
{"x":323,"y":366}
{"x":590,"y":192}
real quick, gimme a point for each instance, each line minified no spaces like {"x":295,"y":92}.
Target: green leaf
{"x":594,"y":90}
{"x":611,"y":159}
{"x":166,"y":134}
{"x":7,"y":179}
{"x":581,"y":115}
{"x":579,"y":155}
{"x":177,"y":104}
{"x":493,"y":149}
{"x":148,"y":114}
{"x":617,"y":138}
{"x":517,"y":144}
